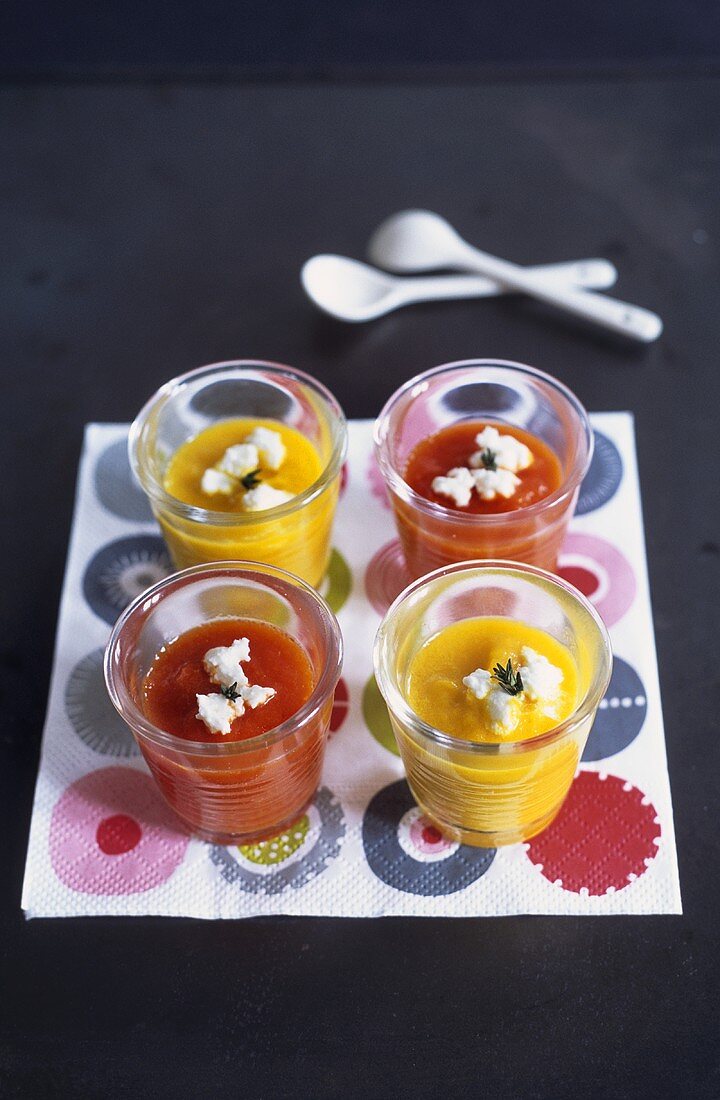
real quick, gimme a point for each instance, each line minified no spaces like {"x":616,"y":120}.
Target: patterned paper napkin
{"x":102,"y":840}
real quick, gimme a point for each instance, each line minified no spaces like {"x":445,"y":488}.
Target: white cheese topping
{"x":508,"y":451}
{"x":214,"y":481}
{"x":270,"y":446}
{"x":457,"y":484}
{"x":239,"y":460}
{"x":222,"y":664}
{"x":493,"y":483}
{"x":218,"y":712}
{"x":508,"y":455}
{"x":541,"y":680}
{"x":256,"y":696}
{"x":264,"y":496}
{"x":503,"y":710}
{"x":479,"y":682}
{"x":261,"y":448}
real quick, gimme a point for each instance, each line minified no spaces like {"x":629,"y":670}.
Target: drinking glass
{"x":502,"y":393}
{"x":230,"y":792}
{"x":295,"y":536}
{"x":481,"y":793}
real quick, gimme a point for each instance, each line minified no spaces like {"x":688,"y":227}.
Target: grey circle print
{"x":90,"y":712}
{"x":121,"y":570}
{"x":390,"y":861}
{"x":621,"y":713}
{"x":319,"y":849}
{"x":115,"y":487}
{"x":602,"y":480}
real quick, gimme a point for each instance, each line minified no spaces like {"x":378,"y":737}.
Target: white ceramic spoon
{"x":352,"y":291}
{"x":418,"y":240}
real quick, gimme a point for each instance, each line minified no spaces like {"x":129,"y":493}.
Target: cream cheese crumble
{"x":264,"y":496}
{"x":491,"y":471}
{"x":541,"y":682}
{"x":270,"y":446}
{"x":218,"y":712}
{"x":541,"y":679}
{"x":480,"y":682}
{"x":494,"y":483}
{"x":256,"y":696}
{"x":223,"y":665}
{"x":508,"y":451}
{"x":215,"y":481}
{"x":503,"y":711}
{"x":457,"y":484}
{"x":239,"y":460}
{"x":262,"y":447}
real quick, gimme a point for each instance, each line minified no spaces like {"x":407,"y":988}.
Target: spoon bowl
{"x":418,"y":240}
{"x":347,"y":289}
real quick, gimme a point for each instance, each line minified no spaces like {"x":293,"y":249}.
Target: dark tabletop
{"x":150,"y":229}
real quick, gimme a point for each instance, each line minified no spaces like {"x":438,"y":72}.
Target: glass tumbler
{"x":236,"y":791}
{"x":487,"y":390}
{"x":296,"y":535}
{"x":482,"y":793}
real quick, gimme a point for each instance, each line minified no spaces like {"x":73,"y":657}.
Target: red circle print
{"x":583,"y":579}
{"x":431,"y":835}
{"x":341,"y":705}
{"x":118,"y":834}
{"x":605,"y":836}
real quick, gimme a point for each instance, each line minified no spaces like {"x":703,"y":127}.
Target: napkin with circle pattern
{"x":102,"y":841}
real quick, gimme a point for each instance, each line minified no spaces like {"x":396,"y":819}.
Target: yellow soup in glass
{"x":497,"y":681}
{"x":293,"y":534}
{"x":437,"y":692}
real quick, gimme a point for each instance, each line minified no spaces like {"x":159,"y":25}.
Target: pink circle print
{"x":386,"y":576}
{"x":601,"y":572}
{"x":344,"y":478}
{"x":426,"y":839}
{"x":377,"y":483}
{"x":111,"y":833}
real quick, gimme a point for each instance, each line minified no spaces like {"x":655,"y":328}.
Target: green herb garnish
{"x":250,"y":480}
{"x":509,"y":681}
{"x":488,"y":459}
{"x":230,"y":692}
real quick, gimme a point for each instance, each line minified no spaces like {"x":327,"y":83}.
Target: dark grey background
{"x":339,"y":37}
{"x":151,"y":228}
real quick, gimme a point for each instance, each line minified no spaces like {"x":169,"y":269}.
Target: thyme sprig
{"x":488,"y":459}
{"x":508,"y":679}
{"x":249,"y":481}
{"x":230,"y":692}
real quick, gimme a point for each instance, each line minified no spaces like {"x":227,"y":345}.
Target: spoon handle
{"x":424,"y":288}
{"x":594,"y":273}
{"x":434,"y":288}
{"x":611,"y":313}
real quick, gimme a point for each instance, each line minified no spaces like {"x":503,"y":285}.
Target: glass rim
{"x":397,"y":703}
{"x":197,"y":514}
{"x":139,"y":723}
{"x":401,"y":488}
